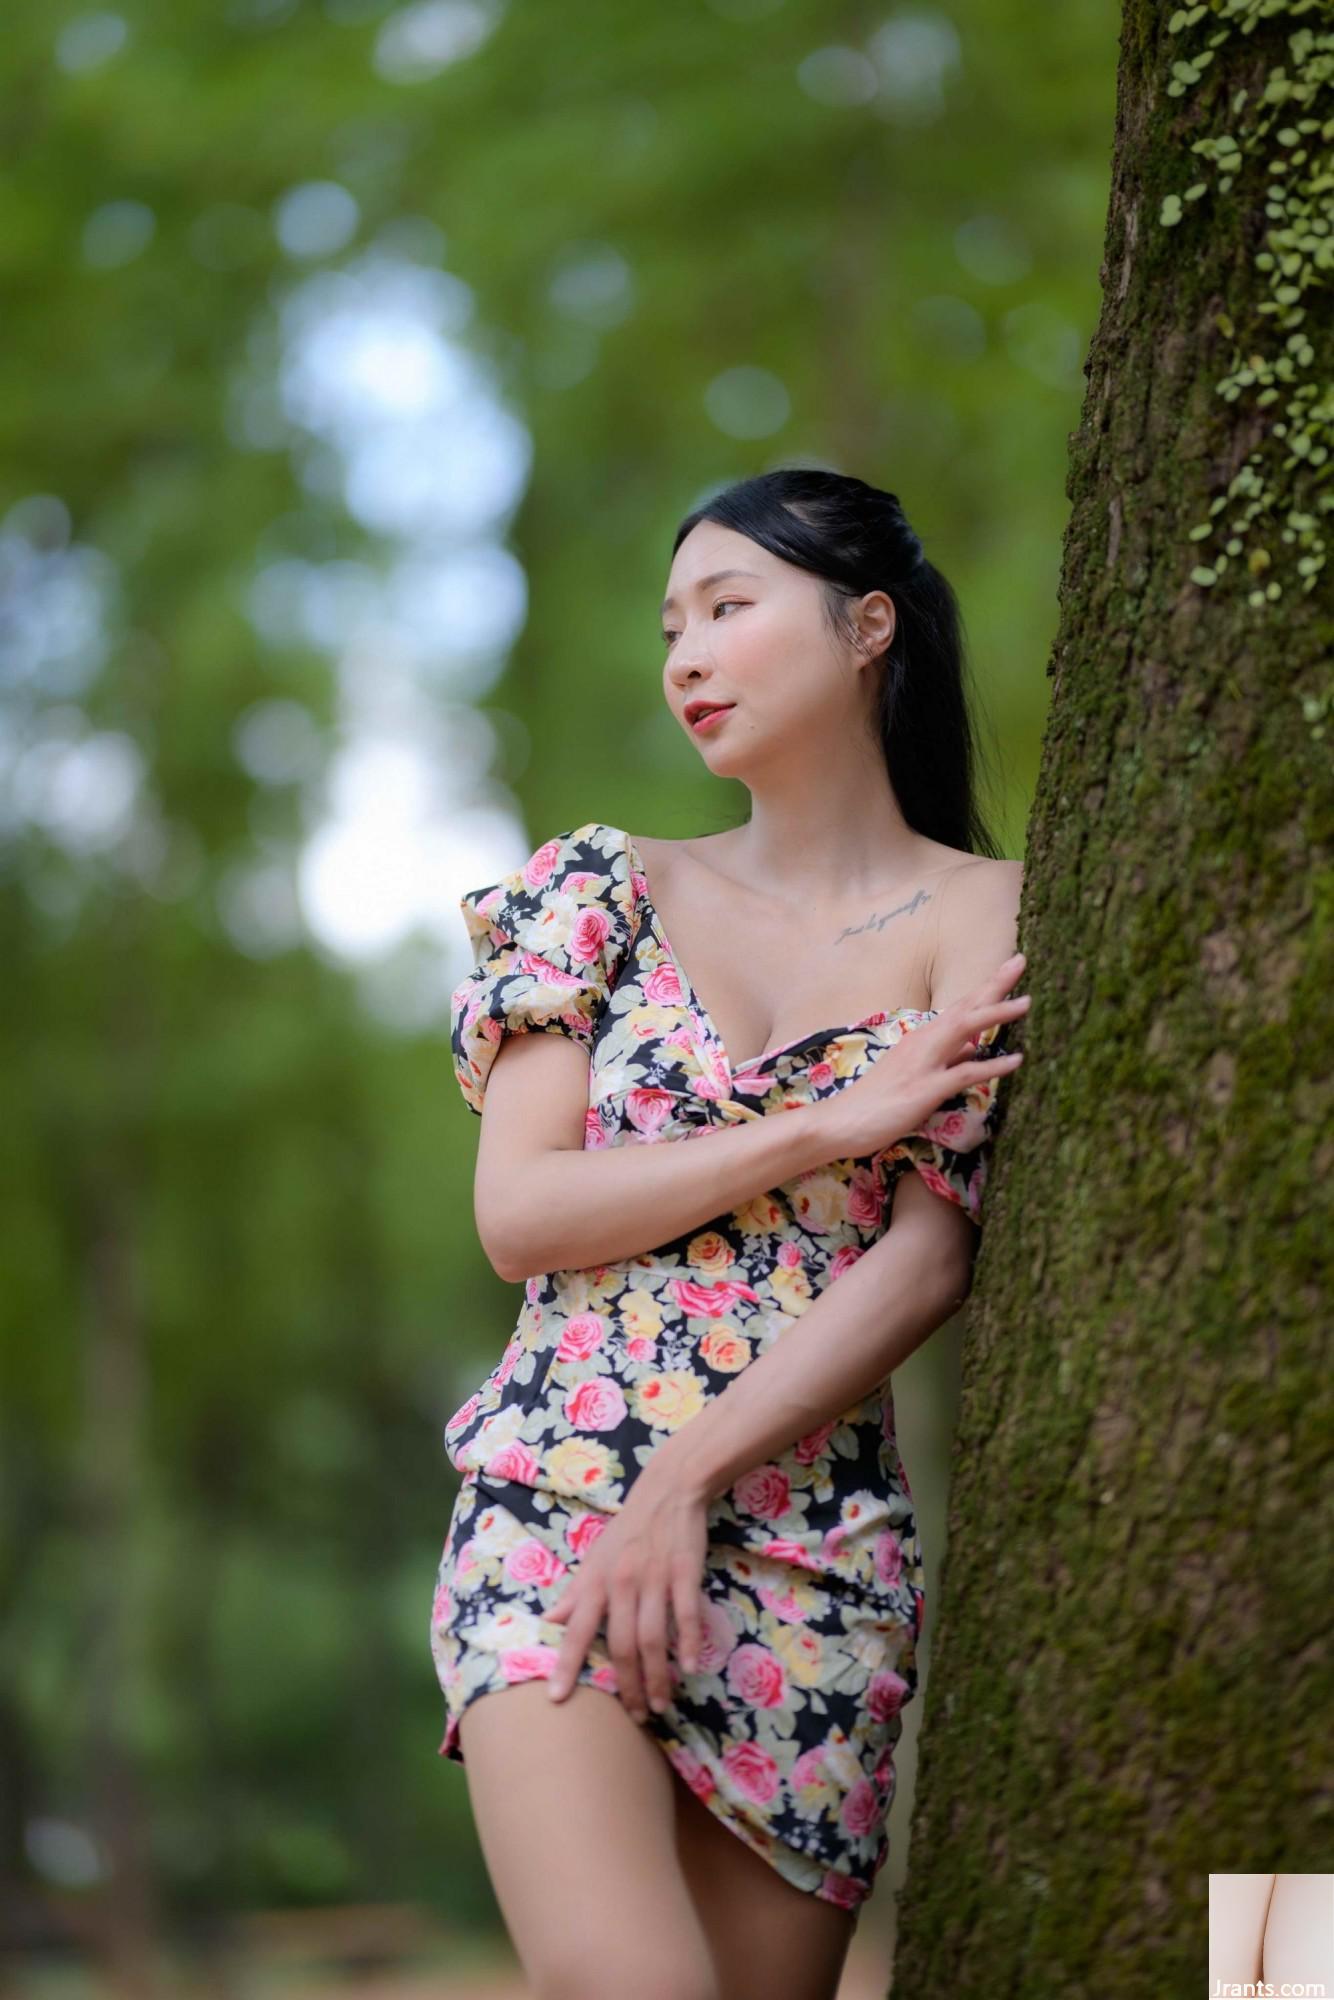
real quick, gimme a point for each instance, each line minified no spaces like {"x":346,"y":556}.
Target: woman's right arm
{"x":544,"y":1204}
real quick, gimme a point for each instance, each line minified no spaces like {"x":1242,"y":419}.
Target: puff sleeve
{"x":952,"y":1149}
{"x":548,"y":941}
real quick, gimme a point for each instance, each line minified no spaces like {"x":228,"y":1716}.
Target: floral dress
{"x":813,"y":1575}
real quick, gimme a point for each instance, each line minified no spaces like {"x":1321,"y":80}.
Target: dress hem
{"x":845,"y":1890}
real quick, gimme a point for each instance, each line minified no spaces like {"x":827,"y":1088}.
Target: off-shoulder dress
{"x":813,"y":1579}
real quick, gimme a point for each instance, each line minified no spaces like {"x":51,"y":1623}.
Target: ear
{"x":876,"y":618}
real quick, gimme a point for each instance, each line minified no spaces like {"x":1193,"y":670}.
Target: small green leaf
{"x":1203,"y":575}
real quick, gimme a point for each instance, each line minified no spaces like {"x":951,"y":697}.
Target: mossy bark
{"x":1129,"y":1679}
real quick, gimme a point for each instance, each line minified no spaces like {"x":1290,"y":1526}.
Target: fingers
{"x":990,"y":1006}
{"x":1005,"y":975}
{"x":623,"y":1647}
{"x":653,"y":1645}
{"x":583,"y":1623}
{"x":687,"y":1609}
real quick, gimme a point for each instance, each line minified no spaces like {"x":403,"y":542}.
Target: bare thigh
{"x":766,"y":1935}
{"x":575,"y":1811}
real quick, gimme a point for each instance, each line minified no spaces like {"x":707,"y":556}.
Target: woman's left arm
{"x":863,"y":1327}
{"x":650,"y":1556}
{"x":845,"y":1344}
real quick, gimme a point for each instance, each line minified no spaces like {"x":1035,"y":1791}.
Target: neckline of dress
{"x":701,"y":1011}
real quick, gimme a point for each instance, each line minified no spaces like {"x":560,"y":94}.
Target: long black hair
{"x":856,"y":538}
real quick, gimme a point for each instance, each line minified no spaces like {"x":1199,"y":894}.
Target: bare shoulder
{"x":977,"y":882}
{"x":978,"y":924}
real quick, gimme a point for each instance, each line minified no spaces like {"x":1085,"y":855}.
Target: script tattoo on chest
{"x":877,"y":923}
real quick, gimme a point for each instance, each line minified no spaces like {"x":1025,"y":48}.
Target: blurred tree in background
{"x":359,"y":362}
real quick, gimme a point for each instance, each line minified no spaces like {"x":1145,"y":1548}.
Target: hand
{"x":651,"y":1555}
{"x":926,"y":1066}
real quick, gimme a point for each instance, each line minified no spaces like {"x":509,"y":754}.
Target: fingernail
{"x":690,"y":1663}
{"x":657,"y":1704}
{"x":553,"y":1692}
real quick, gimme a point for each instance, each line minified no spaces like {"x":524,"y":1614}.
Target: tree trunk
{"x":1128,"y":1684}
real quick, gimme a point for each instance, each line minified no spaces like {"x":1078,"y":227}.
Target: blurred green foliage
{"x":242,"y":1286}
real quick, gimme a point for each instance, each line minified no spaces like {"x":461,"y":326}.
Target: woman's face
{"x":758,"y":640}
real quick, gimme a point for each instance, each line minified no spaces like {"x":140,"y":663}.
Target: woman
{"x":681,"y":1486}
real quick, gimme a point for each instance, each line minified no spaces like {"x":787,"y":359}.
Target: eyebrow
{"x":716,"y":576}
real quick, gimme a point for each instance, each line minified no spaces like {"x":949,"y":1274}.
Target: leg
{"x":574,"y":1810}
{"x":767,"y":1936}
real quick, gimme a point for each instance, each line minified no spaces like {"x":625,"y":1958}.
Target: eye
{"x":667,"y":637}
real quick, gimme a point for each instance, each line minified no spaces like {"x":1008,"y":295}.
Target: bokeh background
{"x":358,"y":362}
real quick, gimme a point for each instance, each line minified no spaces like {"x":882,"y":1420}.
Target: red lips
{"x":702,"y":717}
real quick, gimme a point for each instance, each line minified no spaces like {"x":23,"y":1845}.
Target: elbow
{"x":495,"y":1233}
{"x":504,"y":1256}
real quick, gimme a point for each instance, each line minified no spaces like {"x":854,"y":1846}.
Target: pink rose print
{"x":822,"y":1074}
{"x":866,"y":1198}
{"x":885,"y":1695}
{"x":663,"y":987}
{"x":757,"y":1677}
{"x":461,"y":1417}
{"x":533,"y":1562}
{"x":508,"y":1362}
{"x":888,"y":1558}
{"x":843,"y":1260}
{"x":589,"y":935}
{"x":583,"y":1534}
{"x":605,"y":1677}
{"x":704,"y":1301}
{"x":529,"y":1663}
{"x":594,"y":1136}
{"x":861,"y":1808}
{"x":937,"y":1182}
{"x":513,"y":1461}
{"x":752,"y":1771}
{"x":717,"y":1638}
{"x":809,"y":1767}
{"x":715,"y":1080}
{"x":807,"y":1449}
{"x":641,"y":1348}
{"x":598,"y":1405}
{"x":765,"y":1492}
{"x":542,"y":968}
{"x":785,"y":1607}
{"x":696,"y":1775}
{"x":844,"y":1890}
{"x":783,"y":1549}
{"x":582,"y":1335}
{"x":789,"y":1256}
{"x":649,"y":1110}
{"x":539,"y":867}
{"x":442,"y":1606}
